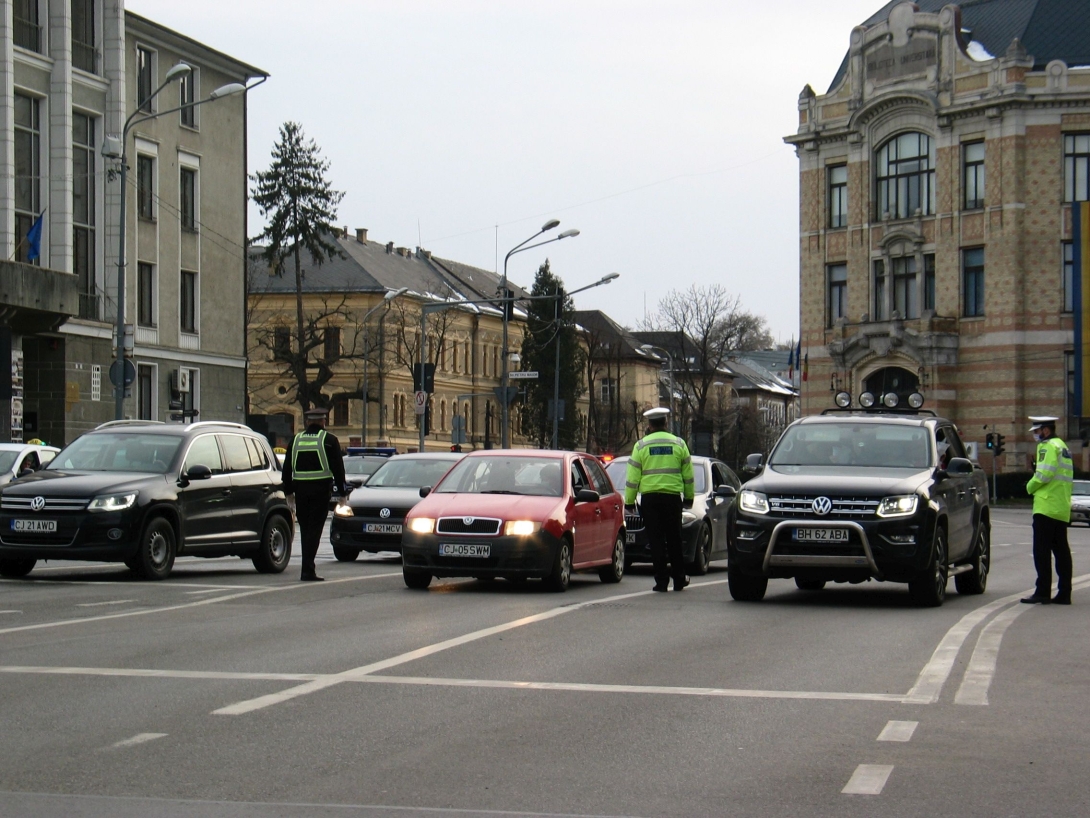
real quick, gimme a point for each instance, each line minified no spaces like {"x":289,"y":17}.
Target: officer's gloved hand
{"x":686,"y":503}
{"x":630,"y":509}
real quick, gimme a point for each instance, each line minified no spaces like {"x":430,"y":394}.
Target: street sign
{"x":130,"y":373}
{"x":511,"y":392}
{"x":522,"y":376}
{"x":420,"y":400}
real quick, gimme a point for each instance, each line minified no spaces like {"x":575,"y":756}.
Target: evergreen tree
{"x":549,"y":319}
{"x":301,"y":206}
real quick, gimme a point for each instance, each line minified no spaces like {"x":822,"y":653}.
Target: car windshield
{"x":618,"y":468}
{"x":875,"y":445}
{"x":362,"y":465}
{"x":409,"y":472}
{"x":506,"y":474}
{"x":1080,"y":487}
{"x":7,"y":460}
{"x":114,"y":451}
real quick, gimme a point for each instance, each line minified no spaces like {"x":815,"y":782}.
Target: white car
{"x":16,"y":458}
{"x":1080,"y":502}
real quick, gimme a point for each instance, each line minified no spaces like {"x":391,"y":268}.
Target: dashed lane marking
{"x":155,"y":673}
{"x":100,"y":604}
{"x":868,"y":779}
{"x":898,"y":731}
{"x":10,"y":612}
{"x":139,"y":738}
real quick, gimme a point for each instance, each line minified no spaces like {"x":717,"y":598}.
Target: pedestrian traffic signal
{"x":998,"y":444}
{"x":989,"y":441}
{"x":456,"y":447}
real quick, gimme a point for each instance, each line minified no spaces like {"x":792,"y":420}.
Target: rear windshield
{"x":361,"y":465}
{"x":879,"y":445}
{"x":106,"y":451}
{"x":409,"y":473}
{"x":1081,"y":487}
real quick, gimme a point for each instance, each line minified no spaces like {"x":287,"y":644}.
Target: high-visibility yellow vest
{"x":1052,"y":481}
{"x":309,"y":461}
{"x":660,"y":463}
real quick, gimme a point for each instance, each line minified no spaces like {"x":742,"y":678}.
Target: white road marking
{"x":295,"y":586}
{"x":155,"y":673}
{"x":868,"y":779}
{"x":10,"y":612}
{"x":100,"y":604}
{"x":898,"y":731}
{"x":139,"y":738}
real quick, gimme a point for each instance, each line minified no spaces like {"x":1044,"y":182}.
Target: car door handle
{"x":598,"y":512}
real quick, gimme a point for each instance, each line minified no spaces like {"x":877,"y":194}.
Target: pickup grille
{"x":844,"y":508}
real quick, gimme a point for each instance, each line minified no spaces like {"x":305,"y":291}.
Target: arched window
{"x":892,"y":379}
{"x":905,"y":176}
{"x":443,"y":416}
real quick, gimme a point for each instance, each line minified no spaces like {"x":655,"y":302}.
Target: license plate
{"x":629,"y":538}
{"x":34,"y":525}
{"x":462,"y":549}
{"x":821,"y":535}
{"x":382,"y":528}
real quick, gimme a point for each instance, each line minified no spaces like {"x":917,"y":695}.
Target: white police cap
{"x":1041,"y":420}
{"x":657,"y":412}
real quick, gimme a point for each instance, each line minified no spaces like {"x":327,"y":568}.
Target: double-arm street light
{"x":135,"y":118}
{"x":673,"y":387}
{"x":385,"y":302}
{"x":552,"y":224}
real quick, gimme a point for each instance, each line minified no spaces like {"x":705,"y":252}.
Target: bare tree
{"x":612,"y":423}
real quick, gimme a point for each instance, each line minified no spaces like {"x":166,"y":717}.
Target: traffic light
{"x":457,"y":447}
{"x":989,"y":441}
{"x":998,"y":444}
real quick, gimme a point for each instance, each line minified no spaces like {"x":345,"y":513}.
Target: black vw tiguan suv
{"x":853,"y":495}
{"x":143,"y":493}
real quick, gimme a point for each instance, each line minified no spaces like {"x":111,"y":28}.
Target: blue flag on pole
{"x":34,"y":238}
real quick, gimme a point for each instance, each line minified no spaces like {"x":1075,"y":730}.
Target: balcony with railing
{"x":27,"y":34}
{"x":85,"y":57}
{"x":89,"y":306}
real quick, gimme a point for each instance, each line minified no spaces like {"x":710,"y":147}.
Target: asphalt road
{"x":224,"y":692}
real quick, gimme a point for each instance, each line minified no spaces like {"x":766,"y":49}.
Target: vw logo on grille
{"x":37,"y":504}
{"x":822,"y":506}
{"x":384,"y":513}
{"x":467,"y":521}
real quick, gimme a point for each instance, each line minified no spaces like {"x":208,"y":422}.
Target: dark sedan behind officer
{"x":661,"y":471}
{"x":313,"y":472}
{"x":1051,"y":486}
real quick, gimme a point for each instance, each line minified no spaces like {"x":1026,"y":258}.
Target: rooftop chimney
{"x":389,"y":247}
{"x":361,"y":235}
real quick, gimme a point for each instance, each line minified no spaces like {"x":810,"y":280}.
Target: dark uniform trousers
{"x":661,"y":514}
{"x":1050,"y":540}
{"x":311,"y":509}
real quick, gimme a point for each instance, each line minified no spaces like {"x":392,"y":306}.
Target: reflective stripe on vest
{"x":308,"y":445}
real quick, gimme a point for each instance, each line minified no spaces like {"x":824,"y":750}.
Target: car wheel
{"x":614,"y":572}
{"x":417,"y":580}
{"x":809,"y":584}
{"x":976,"y":581}
{"x":275,"y":551}
{"x":155,"y":555}
{"x":344,"y":554}
{"x":14,"y":569}
{"x":560,"y":577}
{"x":928,"y":590}
{"x":746,"y":588}
{"x":703,"y":554}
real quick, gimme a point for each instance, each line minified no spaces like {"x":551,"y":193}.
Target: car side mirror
{"x":355,"y":482}
{"x":587,"y":496}
{"x":754,"y":463}
{"x":725,"y":490}
{"x":24,"y":472}
{"x":425,"y":491}
{"x":959,"y":467}
{"x":198,"y":472}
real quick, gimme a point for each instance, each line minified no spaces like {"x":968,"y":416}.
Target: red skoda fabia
{"x":517,"y":514}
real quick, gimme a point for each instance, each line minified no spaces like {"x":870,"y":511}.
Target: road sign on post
{"x":420,"y":400}
{"x":130,"y":372}
{"x":522,"y":376}
{"x":511,"y":392}
{"x":428,"y":384}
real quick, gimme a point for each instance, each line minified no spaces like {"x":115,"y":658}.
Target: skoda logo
{"x":37,"y":504}
{"x":822,"y":506}
{"x":384,"y":513}
{"x":467,"y":521}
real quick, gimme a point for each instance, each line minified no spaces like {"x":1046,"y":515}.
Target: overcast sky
{"x":461,"y":126}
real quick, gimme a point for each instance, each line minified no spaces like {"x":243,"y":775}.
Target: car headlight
{"x":901,"y":506}
{"x":422,"y":525}
{"x":343,"y":510}
{"x":112,"y":502}
{"x":520,"y":528}
{"x":754,"y":502}
{"x":687,"y":517}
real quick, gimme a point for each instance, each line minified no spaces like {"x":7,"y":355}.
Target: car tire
{"x":345,"y":554}
{"x":809,"y":584}
{"x":746,"y":588}
{"x":560,"y":577}
{"x":928,"y":590}
{"x":614,"y":572}
{"x":17,"y":568}
{"x":976,"y":581}
{"x":274,"y":553}
{"x":158,"y":546}
{"x":702,"y":556}
{"x":417,"y":580}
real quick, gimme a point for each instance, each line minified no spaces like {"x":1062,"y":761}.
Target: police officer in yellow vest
{"x":313,"y":472}
{"x":1051,"y":489}
{"x":661,"y":471}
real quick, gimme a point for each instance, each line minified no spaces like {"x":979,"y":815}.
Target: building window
{"x":191,"y":400}
{"x":187,"y":95}
{"x":1076,"y":167}
{"x":929,"y":282}
{"x":145,"y":391}
{"x":188,"y":306}
{"x":96,"y":381}
{"x":607,"y":390}
{"x":905,"y":172}
{"x":83,"y":212}
{"x":145,"y":290}
{"x":27,"y":31}
{"x":331,"y":344}
{"x":28,"y":172}
{"x":838,"y":293}
{"x":905,"y":288}
{"x":281,"y":343}
{"x":973,"y":279}
{"x":188,"y":199}
{"x":145,"y":187}
{"x":340,"y":412}
{"x":1069,"y":276}
{"x":838,"y":195}
{"x":973,"y":176}
{"x":145,"y":78}
{"x":881,"y":306}
{"x":84,"y":56}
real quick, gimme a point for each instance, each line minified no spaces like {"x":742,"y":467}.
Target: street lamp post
{"x":385,"y":302}
{"x":673,"y":387}
{"x":136,"y":117}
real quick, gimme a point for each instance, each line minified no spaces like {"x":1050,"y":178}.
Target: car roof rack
{"x":129,"y":422}
{"x":885,"y":410}
{"x":230,"y":423}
